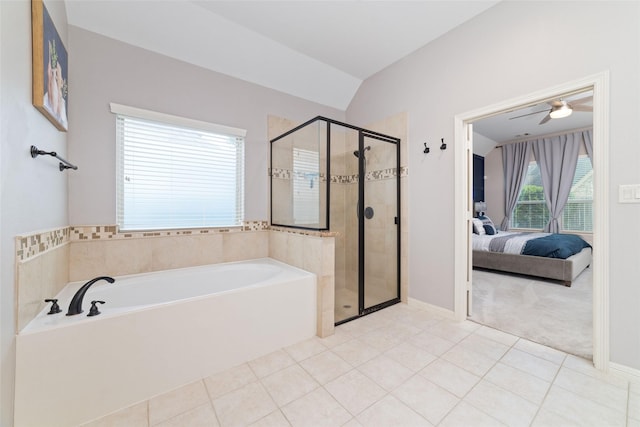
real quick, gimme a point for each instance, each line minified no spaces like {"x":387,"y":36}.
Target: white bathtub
{"x":156,"y":332}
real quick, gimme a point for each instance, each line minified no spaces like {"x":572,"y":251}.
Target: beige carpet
{"x":545,"y":312}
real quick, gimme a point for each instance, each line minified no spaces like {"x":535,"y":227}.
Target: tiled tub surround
{"x":42,"y":270}
{"x":91,"y":251}
{"x":95,"y":253}
{"x":314,"y":252}
{"x":47,"y":260}
{"x":150,"y":341}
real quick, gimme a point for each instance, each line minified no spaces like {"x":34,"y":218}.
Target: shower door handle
{"x":368,"y":212}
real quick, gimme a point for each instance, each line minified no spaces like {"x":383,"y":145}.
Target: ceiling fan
{"x":561,"y":108}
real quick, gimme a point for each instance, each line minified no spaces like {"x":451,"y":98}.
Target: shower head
{"x":357,"y":152}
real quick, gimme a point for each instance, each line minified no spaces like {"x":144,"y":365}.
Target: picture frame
{"x":49,"y":68}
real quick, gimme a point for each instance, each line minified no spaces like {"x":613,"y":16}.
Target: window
{"x":531,"y":210}
{"x":306,"y":187}
{"x":177,"y":173}
{"x":578,"y":212}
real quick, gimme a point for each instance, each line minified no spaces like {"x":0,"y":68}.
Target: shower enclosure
{"x":332,"y":176}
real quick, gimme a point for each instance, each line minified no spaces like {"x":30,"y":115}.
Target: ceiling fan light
{"x":561,"y":111}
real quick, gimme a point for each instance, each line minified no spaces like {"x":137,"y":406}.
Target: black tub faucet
{"x":76,"y":303}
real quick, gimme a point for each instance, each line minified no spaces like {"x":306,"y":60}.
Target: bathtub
{"x":156,"y":332}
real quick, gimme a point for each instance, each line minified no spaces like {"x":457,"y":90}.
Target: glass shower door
{"x":379,"y":223}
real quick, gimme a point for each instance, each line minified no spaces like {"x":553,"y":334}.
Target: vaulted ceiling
{"x":317,"y":50}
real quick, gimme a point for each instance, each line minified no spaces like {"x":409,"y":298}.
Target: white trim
{"x":139,"y":113}
{"x":448,"y":314}
{"x":599,"y":83}
{"x":626,"y":372}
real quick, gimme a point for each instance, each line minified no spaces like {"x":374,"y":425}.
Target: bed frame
{"x":565,"y":270}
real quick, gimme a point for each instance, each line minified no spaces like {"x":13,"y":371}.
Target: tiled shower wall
{"x":47,"y":261}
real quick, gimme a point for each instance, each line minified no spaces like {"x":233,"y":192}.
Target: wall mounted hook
{"x":426,"y":149}
{"x":443,"y":146}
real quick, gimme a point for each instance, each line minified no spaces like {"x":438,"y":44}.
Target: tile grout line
{"x":544,"y":399}
{"x":483,"y":378}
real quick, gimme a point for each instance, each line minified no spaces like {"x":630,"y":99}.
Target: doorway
{"x":464,"y":206}
{"x":529,"y":306}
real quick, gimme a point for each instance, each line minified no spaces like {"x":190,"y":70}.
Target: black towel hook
{"x":443,"y":146}
{"x":426,"y":149}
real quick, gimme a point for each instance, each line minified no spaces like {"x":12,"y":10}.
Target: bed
{"x":559,"y":257}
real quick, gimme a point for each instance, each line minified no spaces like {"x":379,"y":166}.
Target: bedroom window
{"x":578,"y":212}
{"x":531,"y":211}
{"x":177,"y":173}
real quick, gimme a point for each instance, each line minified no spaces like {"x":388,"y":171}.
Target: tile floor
{"x":401,"y":366}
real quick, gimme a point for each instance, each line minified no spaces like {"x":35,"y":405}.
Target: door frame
{"x":599,"y":83}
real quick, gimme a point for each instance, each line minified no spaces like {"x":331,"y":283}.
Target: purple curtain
{"x":515,"y":161}
{"x":587,"y":136}
{"x":557,"y":158}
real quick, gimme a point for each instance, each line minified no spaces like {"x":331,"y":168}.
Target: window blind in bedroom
{"x":531,"y":211}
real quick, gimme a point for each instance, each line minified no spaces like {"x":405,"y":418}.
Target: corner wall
{"x":461,"y":72}
{"x":33,"y":194}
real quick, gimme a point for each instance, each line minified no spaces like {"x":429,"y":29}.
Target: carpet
{"x":542,"y":311}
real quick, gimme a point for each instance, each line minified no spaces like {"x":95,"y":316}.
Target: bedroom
{"x":524,"y":294}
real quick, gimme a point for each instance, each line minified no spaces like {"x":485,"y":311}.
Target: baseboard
{"x":626,"y":372}
{"x":448,"y":314}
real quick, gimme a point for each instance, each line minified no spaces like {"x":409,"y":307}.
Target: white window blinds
{"x":531,"y":211}
{"x":175,"y":176}
{"x":306,"y":187}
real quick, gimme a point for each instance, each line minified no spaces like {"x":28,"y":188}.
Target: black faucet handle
{"x":55,"y":308}
{"x":93,"y":311}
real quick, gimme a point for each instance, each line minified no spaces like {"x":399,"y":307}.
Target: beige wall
{"x":461,"y":72}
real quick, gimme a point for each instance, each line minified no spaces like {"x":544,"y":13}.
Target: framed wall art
{"x":50,"y":67}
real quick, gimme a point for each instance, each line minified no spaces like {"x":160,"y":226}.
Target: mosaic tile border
{"x":106,"y":232}
{"x":348,"y":179}
{"x":304,"y":232}
{"x":31,"y":245}
{"x":289,"y":174}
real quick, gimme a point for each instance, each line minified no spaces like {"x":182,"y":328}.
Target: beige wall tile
{"x":313,"y":251}
{"x":186,"y":251}
{"x":246,"y":245}
{"x":127,"y":256}
{"x":278,"y":245}
{"x":295,"y":250}
{"x":39,"y":278}
{"x":86,"y":259}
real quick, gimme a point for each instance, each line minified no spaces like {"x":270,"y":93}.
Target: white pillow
{"x":478,"y":227}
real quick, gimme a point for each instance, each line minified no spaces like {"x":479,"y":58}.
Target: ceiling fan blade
{"x":581,"y":101}
{"x":582,"y":107}
{"x":528,"y":114}
{"x":546,"y":119}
